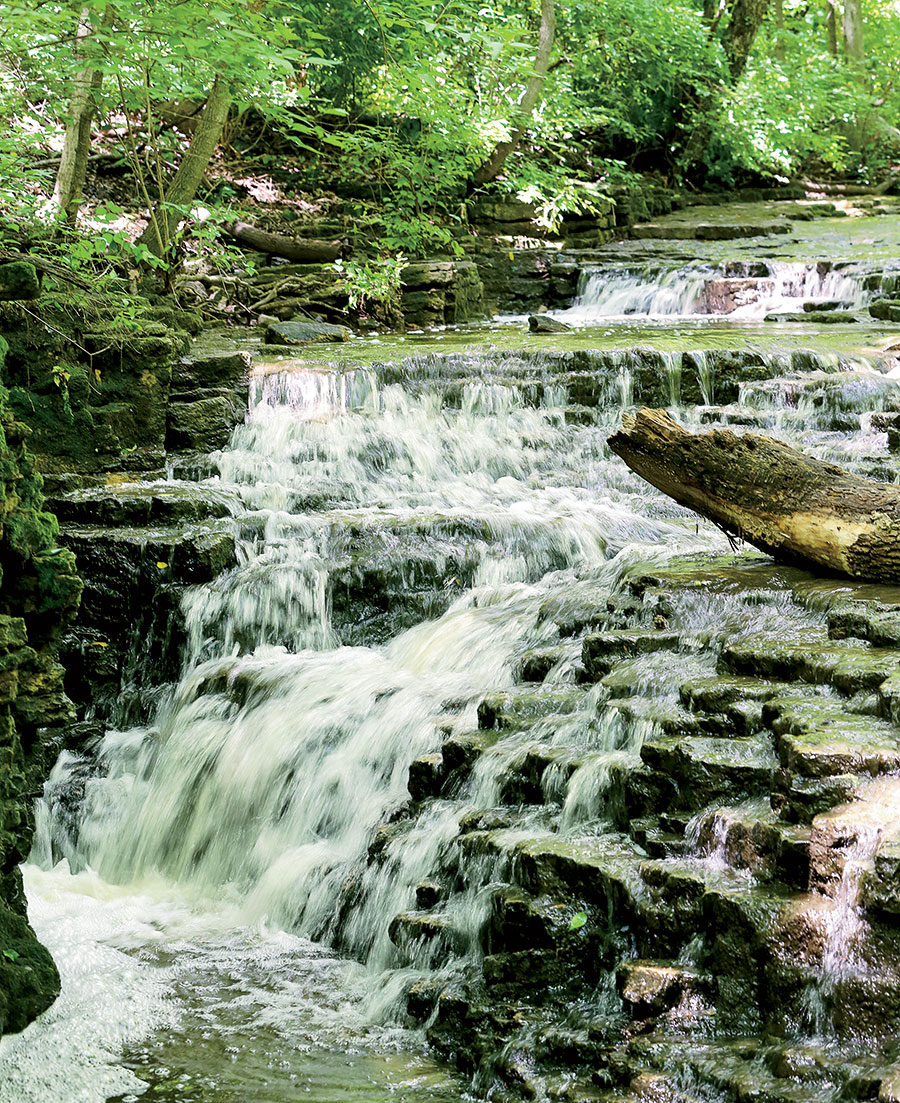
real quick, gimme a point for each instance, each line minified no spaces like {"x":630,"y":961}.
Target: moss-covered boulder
{"x":19,"y":280}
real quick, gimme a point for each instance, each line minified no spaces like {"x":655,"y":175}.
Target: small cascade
{"x":461,"y":712}
{"x":610,"y":293}
{"x":843,"y":848}
{"x":705,"y":290}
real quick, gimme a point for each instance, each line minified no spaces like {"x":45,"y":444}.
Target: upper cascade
{"x":738,"y":291}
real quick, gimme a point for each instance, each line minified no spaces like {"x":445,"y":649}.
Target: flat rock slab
{"x":305,"y":333}
{"x":707,"y":231}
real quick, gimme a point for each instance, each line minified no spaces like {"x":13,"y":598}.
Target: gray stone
{"x":304,"y":333}
{"x":543,"y":323}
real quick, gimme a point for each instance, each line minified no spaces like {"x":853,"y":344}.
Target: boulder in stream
{"x":543,"y":323}
{"x":304,"y":333}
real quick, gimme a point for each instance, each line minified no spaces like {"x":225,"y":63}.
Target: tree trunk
{"x":304,"y":252}
{"x":168,"y":213}
{"x":746,"y":19}
{"x":784,"y":503}
{"x":853,"y":31}
{"x":529,"y":100}
{"x":68,"y":190}
{"x":831,"y":27}
{"x":779,"y":30}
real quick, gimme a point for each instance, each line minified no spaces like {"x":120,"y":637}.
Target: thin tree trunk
{"x":779,"y":30}
{"x":529,"y":100}
{"x":785,"y":503}
{"x":831,"y":27}
{"x":168,"y":213}
{"x":853,"y":31}
{"x":746,"y":19}
{"x":68,"y":190}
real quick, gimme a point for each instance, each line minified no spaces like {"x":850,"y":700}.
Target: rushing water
{"x":218,"y":853}
{"x":225,"y":835}
{"x":701,"y":289}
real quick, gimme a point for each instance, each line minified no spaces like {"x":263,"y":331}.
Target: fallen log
{"x":48,"y":268}
{"x":785,"y":503}
{"x":303,"y":251}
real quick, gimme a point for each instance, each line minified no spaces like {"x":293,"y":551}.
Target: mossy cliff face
{"x":93,"y":386}
{"x":39,"y":593}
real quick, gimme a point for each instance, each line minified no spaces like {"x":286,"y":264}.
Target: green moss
{"x":29,"y":981}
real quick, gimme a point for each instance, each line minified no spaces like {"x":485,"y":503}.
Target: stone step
{"x":750,"y":837}
{"x":602,"y":870}
{"x":183,"y":553}
{"x":666,"y":715}
{"x":875,"y":621}
{"x":718,"y":693}
{"x":519,"y":921}
{"x":426,"y":939}
{"x":817,"y":737}
{"x":686,"y":897}
{"x":535,"y":665}
{"x":809,"y":656}
{"x":798,"y":800}
{"x":649,"y":987}
{"x":856,"y":979}
{"x":694,"y":771}
{"x":522,"y":706}
{"x":135,"y":504}
{"x":601,"y":651}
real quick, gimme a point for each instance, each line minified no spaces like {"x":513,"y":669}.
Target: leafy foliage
{"x":372,"y":282}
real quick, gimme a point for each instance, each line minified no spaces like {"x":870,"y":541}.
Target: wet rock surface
{"x":39,"y":594}
{"x":713,"y":884}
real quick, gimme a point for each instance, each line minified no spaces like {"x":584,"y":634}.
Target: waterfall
{"x":614,"y":292}
{"x":254,"y":796}
{"x":703,"y":289}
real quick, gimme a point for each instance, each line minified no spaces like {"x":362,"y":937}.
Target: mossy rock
{"x":885,"y":310}
{"x":19,"y":280}
{"x":29,"y":981}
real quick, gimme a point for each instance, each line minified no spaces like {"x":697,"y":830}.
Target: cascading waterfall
{"x":264,"y":807}
{"x":696,"y":289}
{"x":256,"y":792}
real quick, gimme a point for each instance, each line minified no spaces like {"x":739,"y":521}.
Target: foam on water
{"x":251,"y":800}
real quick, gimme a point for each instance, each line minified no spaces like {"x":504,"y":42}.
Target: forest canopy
{"x":549,"y":101}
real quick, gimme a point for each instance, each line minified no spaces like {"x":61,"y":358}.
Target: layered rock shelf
{"x":736,"y":871}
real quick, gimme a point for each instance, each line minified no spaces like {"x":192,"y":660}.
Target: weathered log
{"x":296,"y":249}
{"x":785,"y":503}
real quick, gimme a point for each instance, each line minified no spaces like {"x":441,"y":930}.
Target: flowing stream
{"x":220,"y":934}
{"x":225,"y":834}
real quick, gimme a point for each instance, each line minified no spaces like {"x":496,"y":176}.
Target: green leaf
{"x":577,"y":921}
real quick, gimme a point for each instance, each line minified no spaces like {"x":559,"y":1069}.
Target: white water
{"x":246,"y":810}
{"x":845,"y":842}
{"x":695,"y":289}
